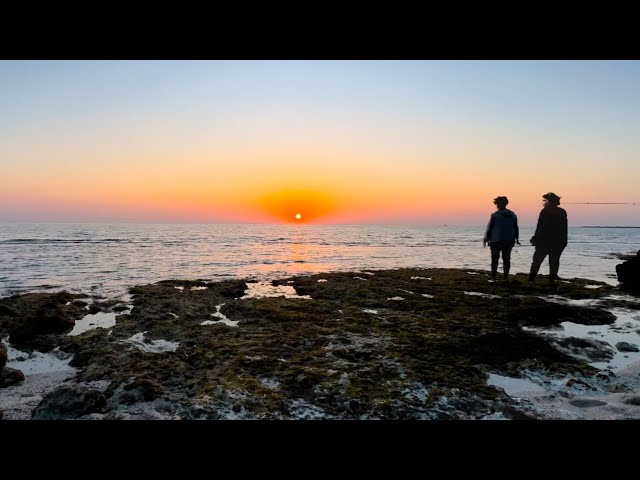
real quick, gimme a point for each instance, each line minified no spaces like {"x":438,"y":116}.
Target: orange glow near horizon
{"x":296,"y":205}
{"x":357,"y":195}
{"x":335,"y":142}
{"x":328,"y":185}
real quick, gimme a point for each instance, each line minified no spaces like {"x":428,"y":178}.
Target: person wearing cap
{"x":502,"y":234}
{"x":550,"y":237}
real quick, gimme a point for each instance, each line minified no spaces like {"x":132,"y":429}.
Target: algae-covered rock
{"x":387,"y":344}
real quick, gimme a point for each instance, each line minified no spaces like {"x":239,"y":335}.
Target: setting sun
{"x":286,"y":205}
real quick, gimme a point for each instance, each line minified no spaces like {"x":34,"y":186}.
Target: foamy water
{"x":107,"y":259}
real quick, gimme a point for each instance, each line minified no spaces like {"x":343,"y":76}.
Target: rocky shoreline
{"x":379,"y":344}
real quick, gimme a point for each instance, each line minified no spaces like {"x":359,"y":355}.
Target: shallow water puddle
{"x":624,"y":329}
{"x":513,"y":386}
{"x":89,"y":322}
{"x":37,"y":362}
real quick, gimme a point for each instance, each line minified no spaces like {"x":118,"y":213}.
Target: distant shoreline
{"x":600,"y":226}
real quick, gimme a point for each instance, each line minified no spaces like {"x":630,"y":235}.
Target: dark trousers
{"x":501,"y":248}
{"x":554,"y":252}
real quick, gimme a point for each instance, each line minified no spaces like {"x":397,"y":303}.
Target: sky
{"x":391,"y":142}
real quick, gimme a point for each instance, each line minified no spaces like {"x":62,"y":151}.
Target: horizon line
{"x":279,"y":223}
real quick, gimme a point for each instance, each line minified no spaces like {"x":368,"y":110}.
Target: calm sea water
{"x":106,"y":259}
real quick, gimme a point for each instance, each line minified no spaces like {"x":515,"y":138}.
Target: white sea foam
{"x":266,"y":289}
{"x":153,"y":346}
{"x":480,"y":294}
{"x":223,"y":318}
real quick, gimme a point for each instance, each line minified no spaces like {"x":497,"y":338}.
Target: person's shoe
{"x":553,"y":278}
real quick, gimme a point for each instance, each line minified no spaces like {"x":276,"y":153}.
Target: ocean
{"x":107,"y":259}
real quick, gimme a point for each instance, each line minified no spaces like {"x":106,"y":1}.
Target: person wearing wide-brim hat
{"x":550,"y":237}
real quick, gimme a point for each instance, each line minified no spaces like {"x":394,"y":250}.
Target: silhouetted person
{"x":550,"y":237}
{"x":502,"y":234}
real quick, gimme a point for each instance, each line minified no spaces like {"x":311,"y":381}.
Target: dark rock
{"x":34,"y":315}
{"x":128,"y":399}
{"x":579,"y":384}
{"x":627,"y":347}
{"x":538,"y":312}
{"x":586,"y":403}
{"x":120,"y":308}
{"x":355,"y":407}
{"x":593,"y":350}
{"x":629,"y":271}
{"x":70,"y":402}
{"x":604,"y":376}
{"x":618,"y":388}
{"x":635,"y":400}
{"x":50,"y":318}
{"x":41,"y":343}
{"x":144,"y":389}
{"x":10,"y":376}
{"x":3,"y":355}
{"x":233,"y":289}
{"x":93,"y":309}
{"x":622,"y":256}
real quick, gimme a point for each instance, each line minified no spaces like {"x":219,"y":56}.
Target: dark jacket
{"x":551,"y":229}
{"x":502,"y":227}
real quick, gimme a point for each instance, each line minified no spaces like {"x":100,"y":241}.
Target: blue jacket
{"x":502,"y":227}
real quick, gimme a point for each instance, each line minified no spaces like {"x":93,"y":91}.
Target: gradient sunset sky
{"x":413,"y":142}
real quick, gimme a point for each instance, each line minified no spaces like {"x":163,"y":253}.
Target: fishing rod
{"x":600,"y":203}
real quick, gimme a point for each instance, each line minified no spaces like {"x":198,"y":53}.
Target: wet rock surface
{"x":390,"y":344}
{"x":627,"y":347}
{"x":36,"y":321}
{"x":10,"y":376}
{"x":591,"y":350}
{"x":629,"y":273}
{"x":587,"y":403}
{"x":69,"y":402}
